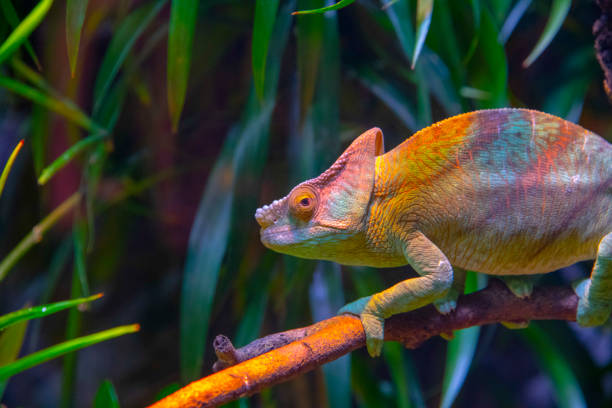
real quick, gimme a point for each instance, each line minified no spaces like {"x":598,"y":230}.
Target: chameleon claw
{"x":374,"y":328}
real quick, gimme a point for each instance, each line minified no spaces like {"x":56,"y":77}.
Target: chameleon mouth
{"x":269,"y":214}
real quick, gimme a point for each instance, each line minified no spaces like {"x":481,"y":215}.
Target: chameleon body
{"x":503,"y":192}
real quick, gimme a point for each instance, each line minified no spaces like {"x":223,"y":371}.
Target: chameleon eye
{"x":303,"y":202}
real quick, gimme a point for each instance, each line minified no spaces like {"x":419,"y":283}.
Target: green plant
{"x":124,"y":130}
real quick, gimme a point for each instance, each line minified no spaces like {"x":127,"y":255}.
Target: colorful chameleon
{"x":506,"y":192}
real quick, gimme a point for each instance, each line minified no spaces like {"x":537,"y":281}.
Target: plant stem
{"x":37,"y":232}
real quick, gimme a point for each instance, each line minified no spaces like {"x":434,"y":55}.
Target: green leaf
{"x":336,"y":6}
{"x":183,"y":15}
{"x":68,"y":155}
{"x":58,"y":350}
{"x":400,"y":16}
{"x":43,"y":310}
{"x":265,"y":14}
{"x":404,"y":376}
{"x":459,"y":354}
{"x":488,"y":68}
{"x":558,"y":11}
{"x":424,"y":10}
{"x":106,"y":396}
{"x":11,"y":342}
{"x":309,"y":44}
{"x":9,"y":164}
{"x":13,"y":19}
{"x":167,"y":390}
{"x":568,"y":393}
{"x":129,"y":30}
{"x":75,"y":17}
{"x":62,"y":106}
{"x":210,"y":230}
{"x":24,"y":29}
{"x":512,"y":20}
{"x":326,"y":298}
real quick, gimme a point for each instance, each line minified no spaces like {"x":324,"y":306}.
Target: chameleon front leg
{"x":435,"y":280}
{"x":595,"y":294}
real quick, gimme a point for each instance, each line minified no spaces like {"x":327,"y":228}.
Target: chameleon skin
{"x":504,"y":192}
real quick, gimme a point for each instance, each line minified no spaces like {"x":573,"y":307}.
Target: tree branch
{"x":602,"y":29}
{"x":279,"y":357}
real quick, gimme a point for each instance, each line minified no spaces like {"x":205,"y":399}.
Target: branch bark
{"x":279,"y":357}
{"x":602,"y":29}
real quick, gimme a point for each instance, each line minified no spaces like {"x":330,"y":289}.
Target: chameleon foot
{"x":355,"y":307}
{"x":448,"y":303}
{"x":373,"y":325}
{"x":590,"y":312}
{"x":520,"y":286}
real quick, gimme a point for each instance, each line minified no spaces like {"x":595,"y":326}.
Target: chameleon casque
{"x":505,"y":192}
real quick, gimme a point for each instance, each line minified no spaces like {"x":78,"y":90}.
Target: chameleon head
{"x":320,"y":216}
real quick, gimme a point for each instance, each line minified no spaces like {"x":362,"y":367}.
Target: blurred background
{"x":153,"y":130}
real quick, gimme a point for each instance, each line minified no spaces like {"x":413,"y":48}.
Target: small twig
{"x":279,"y":357}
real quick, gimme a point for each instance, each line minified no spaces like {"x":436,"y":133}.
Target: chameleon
{"x":506,"y":192}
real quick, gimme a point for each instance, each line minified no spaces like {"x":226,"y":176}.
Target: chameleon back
{"x":499,"y":192}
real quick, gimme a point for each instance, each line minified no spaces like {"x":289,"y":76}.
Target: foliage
{"x":135,"y":111}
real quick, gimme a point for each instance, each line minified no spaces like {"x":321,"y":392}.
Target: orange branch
{"x":279,"y":357}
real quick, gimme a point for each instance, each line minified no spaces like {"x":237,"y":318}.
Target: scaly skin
{"x":501,"y":192}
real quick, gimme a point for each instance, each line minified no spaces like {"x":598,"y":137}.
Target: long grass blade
{"x":130,"y":29}
{"x":568,"y":393}
{"x":210,"y":230}
{"x":61,"y":349}
{"x":326,"y":298}
{"x":424,"y":10}
{"x":9,"y":165}
{"x":265,"y":15}
{"x":75,"y":17}
{"x":558,"y":12}
{"x":513,"y":19}
{"x":459,"y":354}
{"x":11,"y":342}
{"x":24,"y":29}
{"x":36,"y":312}
{"x":488,"y":69}
{"x":183,"y":15}
{"x":68,"y":155}
{"x":61,"y":106}
{"x":36,"y":235}
{"x":13,"y":19}
{"x":337,"y":6}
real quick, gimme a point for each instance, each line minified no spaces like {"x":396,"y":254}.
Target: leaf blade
{"x":24,"y":29}
{"x":424,"y":10}
{"x":58,"y":350}
{"x":36,"y":312}
{"x":558,"y":12}
{"x":183,"y":15}
{"x":75,"y":17}
{"x":265,"y":14}
{"x":337,"y":6}
{"x":123,"y":40}
{"x":9,"y":165}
